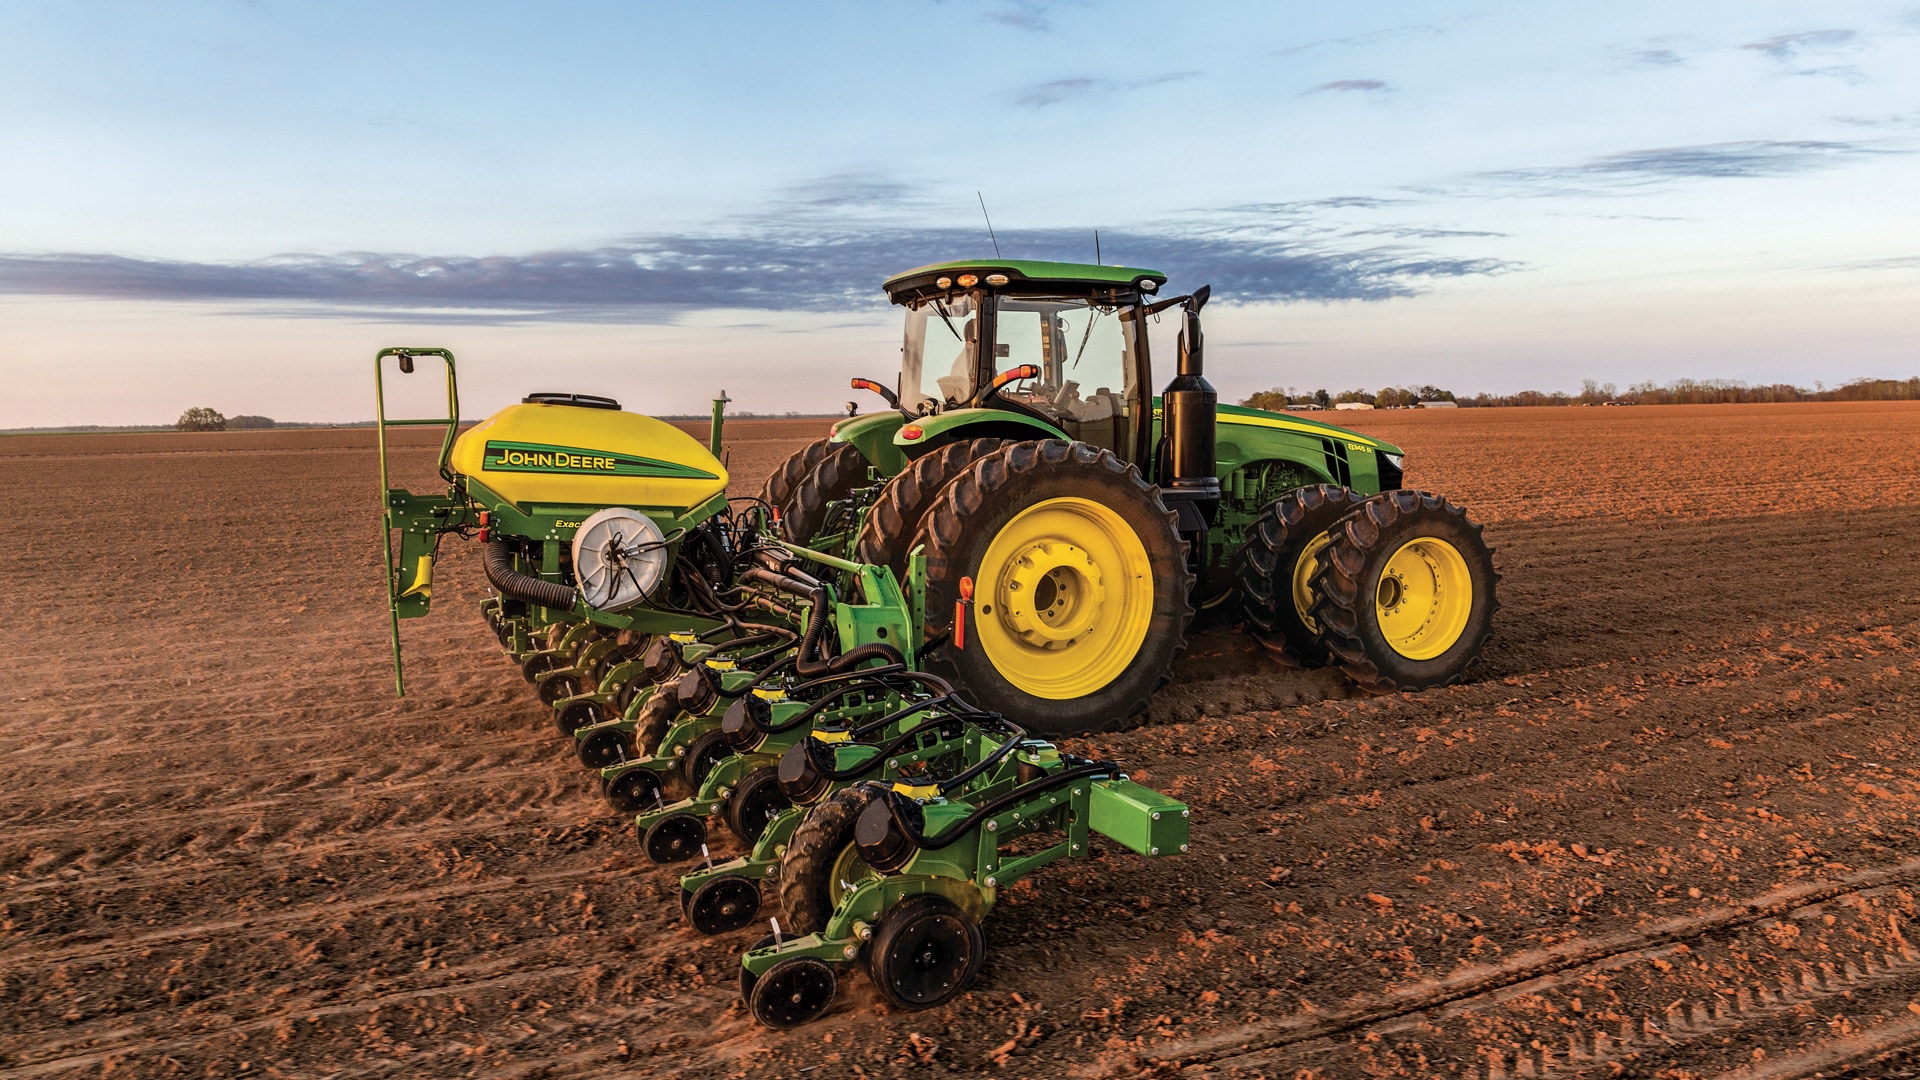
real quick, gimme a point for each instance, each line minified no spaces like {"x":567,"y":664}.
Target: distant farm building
{"x":1437,"y":405}
{"x":1352,"y":406}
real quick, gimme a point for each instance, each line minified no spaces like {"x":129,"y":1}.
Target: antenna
{"x":984,"y":214}
{"x":1096,"y":248}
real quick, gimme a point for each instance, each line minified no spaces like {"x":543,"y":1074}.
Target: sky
{"x":236,"y":204}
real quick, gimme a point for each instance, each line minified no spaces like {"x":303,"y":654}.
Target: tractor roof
{"x":1052,"y":277}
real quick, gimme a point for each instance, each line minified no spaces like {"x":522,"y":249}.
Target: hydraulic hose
{"x":512,"y":583}
{"x":994,"y":806}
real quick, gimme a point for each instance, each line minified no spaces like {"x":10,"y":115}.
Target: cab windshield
{"x":937,"y":359}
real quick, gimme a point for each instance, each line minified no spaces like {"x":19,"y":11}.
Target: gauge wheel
{"x":924,"y":952}
{"x":822,"y":861}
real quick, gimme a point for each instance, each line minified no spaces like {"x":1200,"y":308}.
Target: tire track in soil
{"x":1563,"y":966}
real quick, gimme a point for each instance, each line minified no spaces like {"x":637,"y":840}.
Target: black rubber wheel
{"x":724,"y":904}
{"x":839,"y":471}
{"x":709,"y":748}
{"x":674,"y":838}
{"x":571,"y":716}
{"x":554,"y":686}
{"x":605,"y":746}
{"x":924,"y":952}
{"x":792,"y":993}
{"x":886,"y":538}
{"x":539,"y":664}
{"x":1404,"y":593}
{"x":634,"y":791}
{"x":747,"y":978}
{"x":754,"y":802}
{"x":1102,"y":502}
{"x":781,"y":483}
{"x":1276,"y":565}
{"x":817,"y":858}
{"x":656,"y":716}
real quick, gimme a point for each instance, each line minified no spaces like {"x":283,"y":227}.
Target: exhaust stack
{"x":1188,"y":412}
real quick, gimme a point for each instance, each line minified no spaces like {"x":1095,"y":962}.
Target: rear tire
{"x":782,"y":482}
{"x":1277,"y":564}
{"x":1405,"y":592}
{"x":887,"y":537}
{"x":1081,"y":586}
{"x":839,"y":472}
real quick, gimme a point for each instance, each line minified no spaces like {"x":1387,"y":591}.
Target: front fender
{"x":943,"y":428}
{"x":873,"y":436}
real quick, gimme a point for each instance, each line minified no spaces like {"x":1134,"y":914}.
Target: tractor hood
{"x":562,"y":454}
{"x":1231,"y":416}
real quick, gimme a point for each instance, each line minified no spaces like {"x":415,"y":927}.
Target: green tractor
{"x":1072,"y":524}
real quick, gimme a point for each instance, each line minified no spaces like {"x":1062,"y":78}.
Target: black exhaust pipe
{"x":1189,"y":408}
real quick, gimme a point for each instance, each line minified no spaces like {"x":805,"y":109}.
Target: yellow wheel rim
{"x":1303,"y":569}
{"x":1423,"y":598}
{"x":1064,"y":598}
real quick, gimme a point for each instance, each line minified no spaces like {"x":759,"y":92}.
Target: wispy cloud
{"x":1416,"y":30}
{"x":1654,"y":57}
{"x":654,"y":278}
{"x":1640,"y":168}
{"x":1057,"y":91}
{"x":1363,"y":86}
{"x":1028,"y":16}
{"x":1786,"y":47}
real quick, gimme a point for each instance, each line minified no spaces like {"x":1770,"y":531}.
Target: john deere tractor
{"x":1072,"y":524}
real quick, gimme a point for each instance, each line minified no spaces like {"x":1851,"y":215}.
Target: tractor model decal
{"x":534,"y":457}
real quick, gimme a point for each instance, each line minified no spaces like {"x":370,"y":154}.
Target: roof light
{"x":968,"y":281}
{"x":996,"y":279}
{"x":911,"y":432}
{"x":943,"y":283}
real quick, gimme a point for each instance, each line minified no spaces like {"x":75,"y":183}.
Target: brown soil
{"x":1668,"y":828}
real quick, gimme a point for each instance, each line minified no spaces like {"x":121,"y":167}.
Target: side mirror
{"x":406,"y":363}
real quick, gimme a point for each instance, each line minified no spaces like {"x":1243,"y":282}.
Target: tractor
{"x":1072,"y":525}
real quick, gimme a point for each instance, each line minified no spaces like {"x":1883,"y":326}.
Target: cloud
{"x":1786,"y":47}
{"x":659,"y":278}
{"x":1655,"y":57}
{"x":1042,"y":95}
{"x":1368,"y":38}
{"x":848,"y":189}
{"x":1365,"y":86}
{"x":1639,"y":168}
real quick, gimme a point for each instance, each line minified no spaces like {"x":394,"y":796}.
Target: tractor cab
{"x":1049,"y":347}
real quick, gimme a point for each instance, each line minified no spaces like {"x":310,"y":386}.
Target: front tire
{"x":1277,"y":564}
{"x":1405,"y":592}
{"x":1080,"y":586}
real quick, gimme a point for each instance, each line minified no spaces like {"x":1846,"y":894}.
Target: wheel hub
{"x":1051,"y":595}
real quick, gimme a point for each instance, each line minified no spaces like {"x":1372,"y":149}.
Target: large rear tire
{"x":782,"y":482}
{"x":840,"y":471}
{"x":1277,"y":564}
{"x":1080,"y":586}
{"x":887,"y":537}
{"x":1404,"y":592}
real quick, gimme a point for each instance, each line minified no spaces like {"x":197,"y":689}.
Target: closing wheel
{"x":1277,"y":564}
{"x":538,"y":664}
{"x":724,"y":904}
{"x":674,"y":838}
{"x":924,"y":951}
{"x":1405,"y":592}
{"x":756,"y":801}
{"x":573,"y":715}
{"x":605,"y":746}
{"x":554,"y":687}
{"x":1080,"y":586}
{"x":822,"y":861}
{"x":708,"y":749}
{"x":635,"y":790}
{"x":792,"y":993}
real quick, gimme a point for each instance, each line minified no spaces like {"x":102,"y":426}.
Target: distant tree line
{"x":1678,"y":392}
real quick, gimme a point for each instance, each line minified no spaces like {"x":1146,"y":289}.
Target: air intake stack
{"x":1188,"y":408}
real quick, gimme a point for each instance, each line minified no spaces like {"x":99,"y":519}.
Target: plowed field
{"x":1668,"y":829}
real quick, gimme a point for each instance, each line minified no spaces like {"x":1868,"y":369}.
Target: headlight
{"x":1398,"y":461}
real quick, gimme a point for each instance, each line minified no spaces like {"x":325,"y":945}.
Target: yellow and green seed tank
{"x":548,"y":454}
